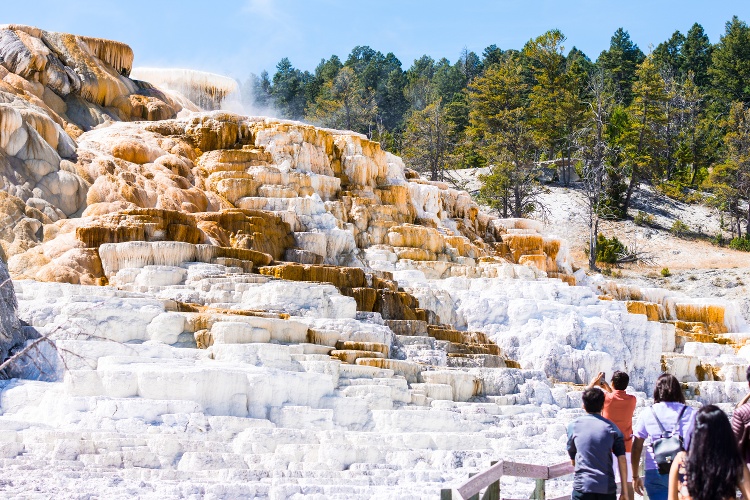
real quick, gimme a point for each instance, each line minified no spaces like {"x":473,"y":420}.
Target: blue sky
{"x":238,"y":37}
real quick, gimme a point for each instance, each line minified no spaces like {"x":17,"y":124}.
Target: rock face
{"x":11,"y":335}
{"x":53,"y":88}
{"x":251,"y":307}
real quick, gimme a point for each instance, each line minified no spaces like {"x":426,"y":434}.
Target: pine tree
{"x":288,"y":89}
{"x":730,"y":69}
{"x":644,"y":145}
{"x":548,"y":93}
{"x":344,"y":103}
{"x":492,"y":55}
{"x":256,"y":92}
{"x":426,"y":139}
{"x":500,"y":124}
{"x":696,"y":55}
{"x":669,"y":56}
{"x":619,"y":64}
{"x":731,"y":179}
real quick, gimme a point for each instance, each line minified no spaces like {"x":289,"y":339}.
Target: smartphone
{"x":603,"y":380}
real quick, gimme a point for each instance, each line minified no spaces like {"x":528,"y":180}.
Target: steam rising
{"x":209,"y":91}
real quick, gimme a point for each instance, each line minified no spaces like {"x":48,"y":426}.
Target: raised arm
{"x":596,"y":381}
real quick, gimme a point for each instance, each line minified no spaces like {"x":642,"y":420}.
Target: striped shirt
{"x":741,"y":426}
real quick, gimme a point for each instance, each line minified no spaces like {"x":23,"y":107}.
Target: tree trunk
{"x":593,"y":236}
{"x":631,"y":187}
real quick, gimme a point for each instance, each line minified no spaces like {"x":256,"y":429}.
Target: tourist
{"x":619,"y":407}
{"x":713,"y":468}
{"x":592,"y":439}
{"x":741,"y":424}
{"x":675,"y":417}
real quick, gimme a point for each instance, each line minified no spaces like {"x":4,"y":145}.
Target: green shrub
{"x":665,"y":272}
{"x":679,"y":228}
{"x":608,"y":250}
{"x":740,"y":244}
{"x":680,"y":192}
{"x":694,"y":198}
{"x":644,"y":219}
{"x":719,"y":240}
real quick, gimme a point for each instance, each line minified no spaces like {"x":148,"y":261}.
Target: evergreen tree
{"x":619,"y":64}
{"x":730,"y":69}
{"x":669,"y":56}
{"x":469,"y":64}
{"x":256,"y":92}
{"x":616,"y":133}
{"x":575,"y":56}
{"x":389,"y":96}
{"x":644,"y":143}
{"x":548,"y":92}
{"x":426,"y":137}
{"x":448,"y":79}
{"x":419,"y":82}
{"x":382,"y":75}
{"x":696,"y":55}
{"x":345,"y":104}
{"x":731,"y":179}
{"x":288,"y":90}
{"x":492,"y":55}
{"x":500,"y":123}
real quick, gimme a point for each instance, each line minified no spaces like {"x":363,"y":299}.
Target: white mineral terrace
{"x":132,"y":407}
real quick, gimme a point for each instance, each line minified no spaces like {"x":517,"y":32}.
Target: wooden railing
{"x":490,"y":479}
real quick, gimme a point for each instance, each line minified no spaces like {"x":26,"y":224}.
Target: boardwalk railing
{"x":490,"y":479}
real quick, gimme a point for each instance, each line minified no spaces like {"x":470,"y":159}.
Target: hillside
{"x":698,"y":267}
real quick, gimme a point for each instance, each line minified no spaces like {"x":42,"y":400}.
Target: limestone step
{"x":364,"y":371}
{"x":351,"y":356}
{"x":434,"y":391}
{"x":323,"y":337}
{"x":363,"y":346}
{"x":408,"y":340}
{"x":408,"y":327}
{"x":465,"y":385}
{"x":407,"y":369}
{"x":475,"y":360}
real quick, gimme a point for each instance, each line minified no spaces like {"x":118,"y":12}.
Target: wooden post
{"x":493,"y":490}
{"x":473,"y":497}
{"x":446,"y":494}
{"x":540,"y":492}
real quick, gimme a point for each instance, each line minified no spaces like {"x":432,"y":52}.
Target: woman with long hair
{"x":713,"y":468}
{"x":670,"y":413}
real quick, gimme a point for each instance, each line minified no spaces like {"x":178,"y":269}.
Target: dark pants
{"x":578,"y":495}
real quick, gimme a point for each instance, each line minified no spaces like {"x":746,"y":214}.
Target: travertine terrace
{"x":250,"y":307}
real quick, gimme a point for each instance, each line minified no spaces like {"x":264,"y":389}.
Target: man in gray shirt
{"x":592,"y":439}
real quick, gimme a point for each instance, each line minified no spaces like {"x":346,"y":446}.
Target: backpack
{"x":667,"y":446}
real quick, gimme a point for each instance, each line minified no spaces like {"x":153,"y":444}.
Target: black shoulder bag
{"x":668,"y":445}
